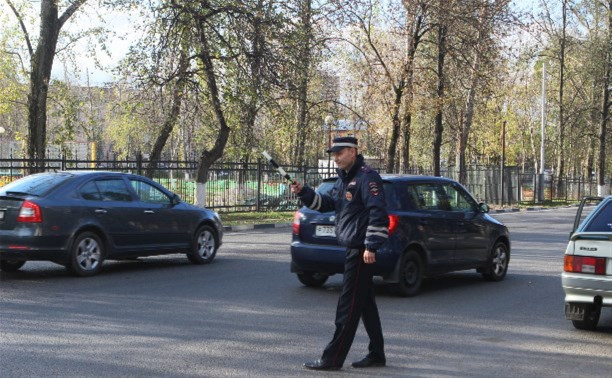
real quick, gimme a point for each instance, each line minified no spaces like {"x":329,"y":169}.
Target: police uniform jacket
{"x":359,"y":202}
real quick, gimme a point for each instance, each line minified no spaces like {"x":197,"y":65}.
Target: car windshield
{"x":602,"y":221}
{"x":35,"y":185}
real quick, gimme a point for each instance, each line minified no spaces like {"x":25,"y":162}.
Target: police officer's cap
{"x":342,"y":142}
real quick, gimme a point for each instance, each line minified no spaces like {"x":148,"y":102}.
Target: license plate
{"x":325,"y":231}
{"x":573,"y":312}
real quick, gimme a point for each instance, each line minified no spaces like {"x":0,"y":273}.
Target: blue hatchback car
{"x":436,"y":226}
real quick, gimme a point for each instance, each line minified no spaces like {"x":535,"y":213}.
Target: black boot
{"x":368,"y":361}
{"x":320,"y":365}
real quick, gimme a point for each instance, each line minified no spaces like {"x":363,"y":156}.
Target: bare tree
{"x":41,"y":63}
{"x":605,"y":107}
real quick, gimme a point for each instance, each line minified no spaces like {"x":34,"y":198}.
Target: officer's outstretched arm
{"x":316,"y":201}
{"x":378,"y":223}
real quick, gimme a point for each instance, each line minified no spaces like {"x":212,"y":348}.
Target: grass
{"x":233,"y":219}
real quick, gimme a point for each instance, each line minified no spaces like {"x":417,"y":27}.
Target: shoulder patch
{"x":374,"y":188}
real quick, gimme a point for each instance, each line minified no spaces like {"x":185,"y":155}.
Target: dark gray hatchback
{"x":435,"y":226}
{"x":80,"y":219}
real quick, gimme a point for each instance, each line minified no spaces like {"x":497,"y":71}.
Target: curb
{"x":247,"y":227}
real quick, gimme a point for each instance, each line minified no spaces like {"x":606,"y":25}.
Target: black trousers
{"x":356,"y":301}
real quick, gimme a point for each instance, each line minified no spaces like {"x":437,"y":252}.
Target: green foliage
{"x":125,"y":129}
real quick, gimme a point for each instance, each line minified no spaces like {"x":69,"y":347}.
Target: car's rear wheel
{"x":204,"y":247}
{"x":591,"y":316}
{"x":86,"y":255}
{"x":497,"y":266}
{"x":312,"y":279}
{"x":11,"y":265}
{"x":410,"y":274}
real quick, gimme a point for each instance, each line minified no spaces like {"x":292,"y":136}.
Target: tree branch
{"x":23,"y":27}
{"x":69,"y":12}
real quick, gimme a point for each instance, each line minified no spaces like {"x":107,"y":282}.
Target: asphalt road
{"x":246,"y":315}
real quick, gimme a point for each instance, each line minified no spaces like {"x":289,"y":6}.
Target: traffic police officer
{"x":362,"y":227}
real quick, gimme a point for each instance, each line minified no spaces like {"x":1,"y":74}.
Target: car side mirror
{"x":175,"y":200}
{"x":483,"y":207}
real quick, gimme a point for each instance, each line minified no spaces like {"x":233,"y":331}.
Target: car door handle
{"x":460,"y":223}
{"x":422,"y":221}
{"x":100,"y":211}
{"x":149,"y":212}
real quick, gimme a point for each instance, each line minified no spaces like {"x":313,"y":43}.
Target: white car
{"x":587,"y":267}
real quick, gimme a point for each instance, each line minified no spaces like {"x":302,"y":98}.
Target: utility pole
{"x":543,"y":135}
{"x":503,"y":162}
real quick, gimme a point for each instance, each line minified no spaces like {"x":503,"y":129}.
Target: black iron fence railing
{"x":235,"y":187}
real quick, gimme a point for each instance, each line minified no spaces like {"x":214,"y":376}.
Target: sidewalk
{"x":257,"y":226}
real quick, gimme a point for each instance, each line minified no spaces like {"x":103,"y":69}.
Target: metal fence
{"x":235,"y":187}
{"x":231,"y":187}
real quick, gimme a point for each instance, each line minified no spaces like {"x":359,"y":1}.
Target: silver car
{"x":587,"y":267}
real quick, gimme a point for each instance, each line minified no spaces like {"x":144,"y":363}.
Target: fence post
{"x":257,"y":205}
{"x":11,"y":166}
{"x":139,"y":162}
{"x":519,"y":186}
{"x":63,"y":161}
{"x":552,"y":182}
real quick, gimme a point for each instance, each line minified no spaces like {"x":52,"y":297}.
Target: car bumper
{"x":50,"y":248}
{"x":585,"y":288}
{"x":329,"y":259}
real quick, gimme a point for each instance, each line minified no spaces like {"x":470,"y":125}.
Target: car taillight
{"x":29,"y":213}
{"x":584,"y":264}
{"x":393,"y":222}
{"x":295,"y":227}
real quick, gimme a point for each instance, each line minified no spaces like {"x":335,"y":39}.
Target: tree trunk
{"x":304,"y":67}
{"x":171,"y":119}
{"x":466,"y":125}
{"x":413,"y":44}
{"x":395,"y":120}
{"x":561,"y":138}
{"x":439,"y":127}
{"x":207,"y":158}
{"x":256,"y":71}
{"x":605,"y":110}
{"x":41,"y":63}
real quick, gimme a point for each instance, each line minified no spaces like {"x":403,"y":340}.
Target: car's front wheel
{"x":11,"y":265}
{"x":86,"y":255}
{"x":410,"y":274}
{"x":204,"y":246}
{"x":312,"y":279}
{"x":591,"y":317}
{"x":497,"y":266}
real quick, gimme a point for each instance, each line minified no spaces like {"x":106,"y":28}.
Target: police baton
{"x":278,"y":168}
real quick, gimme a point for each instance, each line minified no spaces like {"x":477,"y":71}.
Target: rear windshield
{"x":390,"y":195}
{"x":602,"y":221}
{"x":35,"y":185}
